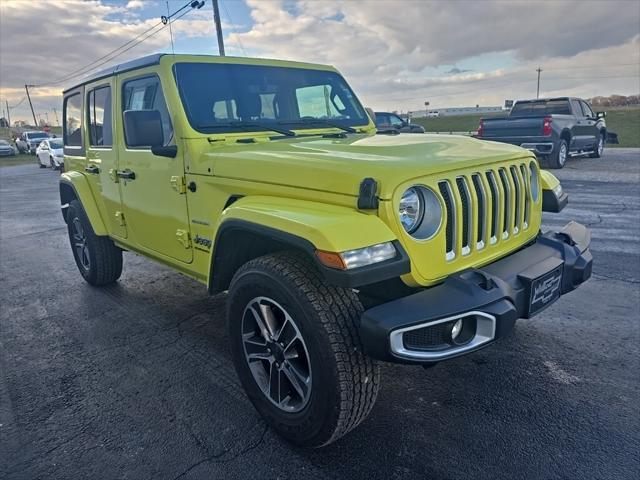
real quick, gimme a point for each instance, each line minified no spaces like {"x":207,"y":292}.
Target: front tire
{"x":98,"y":259}
{"x":558,"y":159}
{"x":599,"y":149}
{"x":326,"y":385}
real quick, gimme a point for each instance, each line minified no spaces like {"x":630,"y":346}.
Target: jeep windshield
{"x":225,"y":98}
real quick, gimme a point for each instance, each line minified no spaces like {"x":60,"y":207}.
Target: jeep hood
{"x":338,"y":165}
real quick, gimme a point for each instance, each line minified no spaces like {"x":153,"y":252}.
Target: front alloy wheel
{"x":276,"y":354}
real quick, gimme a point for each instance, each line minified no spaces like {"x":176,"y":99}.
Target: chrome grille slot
{"x":467,"y":214}
{"x":495,"y":205}
{"x":450,"y":227}
{"x":518,"y":199}
{"x":507,"y":202}
{"x":482,"y":210}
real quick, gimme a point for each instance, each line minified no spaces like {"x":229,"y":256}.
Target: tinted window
{"x":146,"y":94}
{"x":73,"y":121}
{"x":396,"y":121}
{"x":55,"y":144}
{"x":36,"y":135}
{"x":100,"y":117}
{"x":586,"y":110}
{"x":220,"y":97}
{"x":382,"y":119}
{"x":541,"y":107}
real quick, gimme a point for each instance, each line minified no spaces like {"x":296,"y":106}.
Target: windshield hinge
{"x":367,"y":198}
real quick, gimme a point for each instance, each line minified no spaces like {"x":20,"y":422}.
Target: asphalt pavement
{"x":135,"y":381}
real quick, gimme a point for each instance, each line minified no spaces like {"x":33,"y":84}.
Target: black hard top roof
{"x":121,"y":67}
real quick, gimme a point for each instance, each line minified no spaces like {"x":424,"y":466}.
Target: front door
{"x":155,"y":208}
{"x":590,"y":129}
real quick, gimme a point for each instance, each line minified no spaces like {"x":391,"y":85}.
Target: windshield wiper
{"x":260,"y":126}
{"x":321,"y":121}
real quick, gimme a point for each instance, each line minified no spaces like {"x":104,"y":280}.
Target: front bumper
{"x":489,"y":299}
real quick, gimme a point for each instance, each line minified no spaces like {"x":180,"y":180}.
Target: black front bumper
{"x":499,"y":293}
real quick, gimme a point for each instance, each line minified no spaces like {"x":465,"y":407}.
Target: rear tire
{"x":286,"y":288}
{"x":558,"y":159}
{"x":98,"y":259}
{"x":599,"y":150}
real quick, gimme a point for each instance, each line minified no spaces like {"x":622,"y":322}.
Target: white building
{"x":451,"y":111}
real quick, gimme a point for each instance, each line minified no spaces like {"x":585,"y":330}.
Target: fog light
{"x":456,"y":329}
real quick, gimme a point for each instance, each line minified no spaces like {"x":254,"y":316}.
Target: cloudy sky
{"x":397,"y":54}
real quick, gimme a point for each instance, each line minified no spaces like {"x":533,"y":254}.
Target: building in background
{"x":452,"y":111}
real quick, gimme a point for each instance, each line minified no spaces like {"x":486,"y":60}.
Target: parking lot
{"x":135,"y":380}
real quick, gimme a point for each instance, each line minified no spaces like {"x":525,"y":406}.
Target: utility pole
{"x":8,"y":112}
{"x":216,"y":19}
{"x":55,"y":112}
{"x":539,"y":70}
{"x":35,"y":122}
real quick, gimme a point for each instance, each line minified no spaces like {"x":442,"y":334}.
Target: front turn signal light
{"x":359,"y":257}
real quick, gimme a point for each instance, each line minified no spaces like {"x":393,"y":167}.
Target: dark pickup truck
{"x":552,"y":128}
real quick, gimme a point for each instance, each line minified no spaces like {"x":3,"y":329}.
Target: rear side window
{"x":100,"y":132}
{"x":73,"y":120}
{"x":146,"y":94}
{"x":575,"y":106}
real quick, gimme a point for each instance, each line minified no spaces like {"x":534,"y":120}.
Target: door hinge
{"x":120,"y":218}
{"x":183,"y":238}
{"x":179,"y":184}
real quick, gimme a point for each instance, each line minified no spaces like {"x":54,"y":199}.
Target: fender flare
{"x":79,"y":184}
{"x":306,"y":226}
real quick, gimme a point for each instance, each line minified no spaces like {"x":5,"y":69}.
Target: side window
{"x":73,"y":120}
{"x":146,"y":94}
{"x":576,"y":108}
{"x":382,"y":119}
{"x":586,"y":109}
{"x":396,"y":121}
{"x":99,"y":109}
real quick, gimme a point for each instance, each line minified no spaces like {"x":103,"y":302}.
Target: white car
{"x":49,"y":153}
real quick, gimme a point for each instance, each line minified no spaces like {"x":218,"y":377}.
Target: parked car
{"x":50,"y":154}
{"x":553,"y":128}
{"x":386,"y":122}
{"x":433,"y":114}
{"x":27,"y":142}
{"x":6,"y":149}
{"x":338,"y":248}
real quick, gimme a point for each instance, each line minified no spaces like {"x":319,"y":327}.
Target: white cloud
{"x":386,"y":48}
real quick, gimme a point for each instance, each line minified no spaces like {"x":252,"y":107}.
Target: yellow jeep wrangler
{"x":338,"y":248}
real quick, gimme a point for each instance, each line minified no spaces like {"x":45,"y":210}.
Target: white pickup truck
{"x":27,"y":142}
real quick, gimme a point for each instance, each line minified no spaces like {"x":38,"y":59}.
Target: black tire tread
{"x":339,"y":311}
{"x":108,"y":257}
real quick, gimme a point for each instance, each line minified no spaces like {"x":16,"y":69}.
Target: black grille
{"x":427,"y":338}
{"x":516,"y":183}
{"x":494,"y":196}
{"x":505,"y":187}
{"x":480,"y":195}
{"x":465,"y":210}
{"x":444,"y":191}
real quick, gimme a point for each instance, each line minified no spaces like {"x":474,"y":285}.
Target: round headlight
{"x":420,"y":212}
{"x":534,"y":181}
{"x":410,"y":209}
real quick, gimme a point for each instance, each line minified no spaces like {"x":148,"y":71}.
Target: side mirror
{"x":601,"y":114}
{"x":143,"y":128}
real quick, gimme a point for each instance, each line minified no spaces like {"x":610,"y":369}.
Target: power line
{"x":238,"y":41}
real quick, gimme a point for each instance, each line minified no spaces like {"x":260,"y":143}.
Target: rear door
{"x":153,"y":201}
{"x":102,"y":157}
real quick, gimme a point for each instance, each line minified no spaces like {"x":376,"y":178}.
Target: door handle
{"x":126,"y":174}
{"x":93,"y":169}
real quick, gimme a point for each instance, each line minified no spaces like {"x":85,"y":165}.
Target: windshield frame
{"x":236,"y":126}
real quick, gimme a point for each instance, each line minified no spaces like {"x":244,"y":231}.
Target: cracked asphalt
{"x":135,"y":381}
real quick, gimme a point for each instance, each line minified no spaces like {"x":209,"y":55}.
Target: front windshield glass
{"x":222,"y":98}
{"x":55,"y":144}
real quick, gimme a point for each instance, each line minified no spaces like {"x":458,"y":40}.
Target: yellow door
{"x":102,"y":156}
{"x":154,"y":205}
